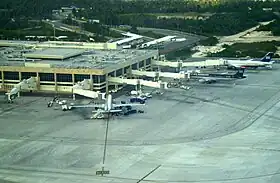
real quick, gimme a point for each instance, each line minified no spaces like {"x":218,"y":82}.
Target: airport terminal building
{"x":58,"y":66}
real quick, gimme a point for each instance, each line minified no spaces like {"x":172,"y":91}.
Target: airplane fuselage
{"x":108,"y":103}
{"x":248,"y":63}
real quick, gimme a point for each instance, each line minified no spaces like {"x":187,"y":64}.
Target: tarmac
{"x":220,"y":133}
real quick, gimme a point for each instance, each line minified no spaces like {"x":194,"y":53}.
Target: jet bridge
{"x":26,"y":84}
{"x":180,"y":75}
{"x":181,"y":64}
{"x":83,"y":88}
{"x":161,"y":85}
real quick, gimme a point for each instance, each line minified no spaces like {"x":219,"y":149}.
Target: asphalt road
{"x":59,"y":25}
{"x":206,"y":134}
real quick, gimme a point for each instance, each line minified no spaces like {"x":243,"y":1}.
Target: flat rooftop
{"x":73,"y":58}
{"x":58,"y":44}
{"x":54,"y":53}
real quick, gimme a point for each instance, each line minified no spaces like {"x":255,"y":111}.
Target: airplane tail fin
{"x":267,"y":57}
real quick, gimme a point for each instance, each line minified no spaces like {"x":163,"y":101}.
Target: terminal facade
{"x":57,"y":70}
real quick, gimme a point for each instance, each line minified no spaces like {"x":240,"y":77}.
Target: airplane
{"x":214,"y":77}
{"x":178,"y":39}
{"x":252,"y":63}
{"x":159,"y":41}
{"x":108,"y":107}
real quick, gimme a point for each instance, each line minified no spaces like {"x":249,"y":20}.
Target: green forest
{"x":23,"y":17}
{"x":227,"y":18}
{"x":218,"y":24}
{"x":23,"y":27}
{"x":109,"y":9}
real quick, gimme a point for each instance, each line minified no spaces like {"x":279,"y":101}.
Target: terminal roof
{"x":54,"y":53}
{"x":77,"y":58}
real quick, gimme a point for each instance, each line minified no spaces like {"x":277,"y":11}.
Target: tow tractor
{"x":139,"y":93}
{"x":139,"y":99}
{"x":138,"y":96}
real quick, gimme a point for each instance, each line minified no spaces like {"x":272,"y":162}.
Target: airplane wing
{"x":115,"y":110}
{"x":99,"y":114}
{"x":127,"y":105}
{"x":269,"y":63}
{"x":221,"y":79}
{"x":89,"y":106}
{"x":237,"y":65}
{"x":214,"y":79}
{"x":103,"y":111}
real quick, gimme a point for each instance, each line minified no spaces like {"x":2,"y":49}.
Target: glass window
{"x":112,"y":74}
{"x":148,"y":62}
{"x":46,"y":76}
{"x":81,"y":77}
{"x":11,"y":75}
{"x":64,"y":77}
{"x":126,"y":69}
{"x":119,"y":72}
{"x":95,"y":78}
{"x":141,"y":64}
{"x":27,"y":75}
{"x":102,"y":78}
{"x":134,"y":66}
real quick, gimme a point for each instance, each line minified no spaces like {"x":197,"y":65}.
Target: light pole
{"x":103,"y":171}
{"x":105,"y":144}
{"x":53,"y":32}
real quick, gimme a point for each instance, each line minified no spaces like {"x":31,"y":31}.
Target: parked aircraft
{"x":214,"y":77}
{"x":252,"y":63}
{"x":108,"y":106}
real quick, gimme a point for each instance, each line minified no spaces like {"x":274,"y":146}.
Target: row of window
{"x":50,"y":77}
{"x":141,"y":64}
{"x":68,"y":77}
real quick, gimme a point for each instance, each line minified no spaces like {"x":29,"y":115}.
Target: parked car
{"x":130,"y":112}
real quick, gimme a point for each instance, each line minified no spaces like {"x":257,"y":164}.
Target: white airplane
{"x":108,"y":106}
{"x":178,"y":39}
{"x":61,"y":37}
{"x":157,"y":41}
{"x":252,"y":63}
